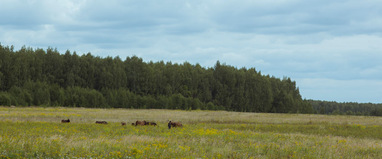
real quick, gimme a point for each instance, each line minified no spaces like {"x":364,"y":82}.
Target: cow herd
{"x":137,"y":123}
{"x":143,"y":123}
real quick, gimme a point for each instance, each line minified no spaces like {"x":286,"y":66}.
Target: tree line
{"x":37,"y":77}
{"x":346,"y":108}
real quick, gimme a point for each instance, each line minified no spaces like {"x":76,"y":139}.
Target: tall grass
{"x":38,"y":133}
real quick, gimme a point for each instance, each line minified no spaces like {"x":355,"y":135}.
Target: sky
{"x":332,"y":49}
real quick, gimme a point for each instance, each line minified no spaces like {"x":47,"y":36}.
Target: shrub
{"x":5,"y":99}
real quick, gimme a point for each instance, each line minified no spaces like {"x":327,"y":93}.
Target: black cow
{"x":65,"y":121}
{"x":151,"y":123}
{"x":101,"y":122}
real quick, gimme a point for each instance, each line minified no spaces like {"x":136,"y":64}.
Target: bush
{"x":39,"y":92}
{"x":21,"y":97}
{"x":81,"y":97}
{"x":5,"y":99}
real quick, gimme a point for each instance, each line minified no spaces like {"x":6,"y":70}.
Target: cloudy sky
{"x":332,"y":49}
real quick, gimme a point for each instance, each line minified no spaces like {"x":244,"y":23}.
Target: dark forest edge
{"x":37,"y":77}
{"x":346,"y":108}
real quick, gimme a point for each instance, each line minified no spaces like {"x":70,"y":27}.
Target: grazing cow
{"x":123,"y":123}
{"x":151,"y":123}
{"x":176,"y":124}
{"x":140,"y":123}
{"x":65,"y":121}
{"x":133,"y":124}
{"x":101,"y":122}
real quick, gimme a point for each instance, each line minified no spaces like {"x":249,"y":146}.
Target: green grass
{"x":37,"y":133}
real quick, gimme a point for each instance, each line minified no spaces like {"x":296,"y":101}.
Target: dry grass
{"x":83,"y":115}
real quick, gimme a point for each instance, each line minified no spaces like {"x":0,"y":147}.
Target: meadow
{"x":36,"y":132}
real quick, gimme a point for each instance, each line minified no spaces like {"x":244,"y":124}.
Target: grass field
{"x":36,"y":132}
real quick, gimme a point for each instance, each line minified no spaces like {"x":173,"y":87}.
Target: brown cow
{"x":140,"y":123}
{"x":101,"y":122}
{"x":65,"y":121}
{"x":123,"y":123}
{"x":176,"y":124}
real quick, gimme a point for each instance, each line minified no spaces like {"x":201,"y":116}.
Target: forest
{"x":37,"y":77}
